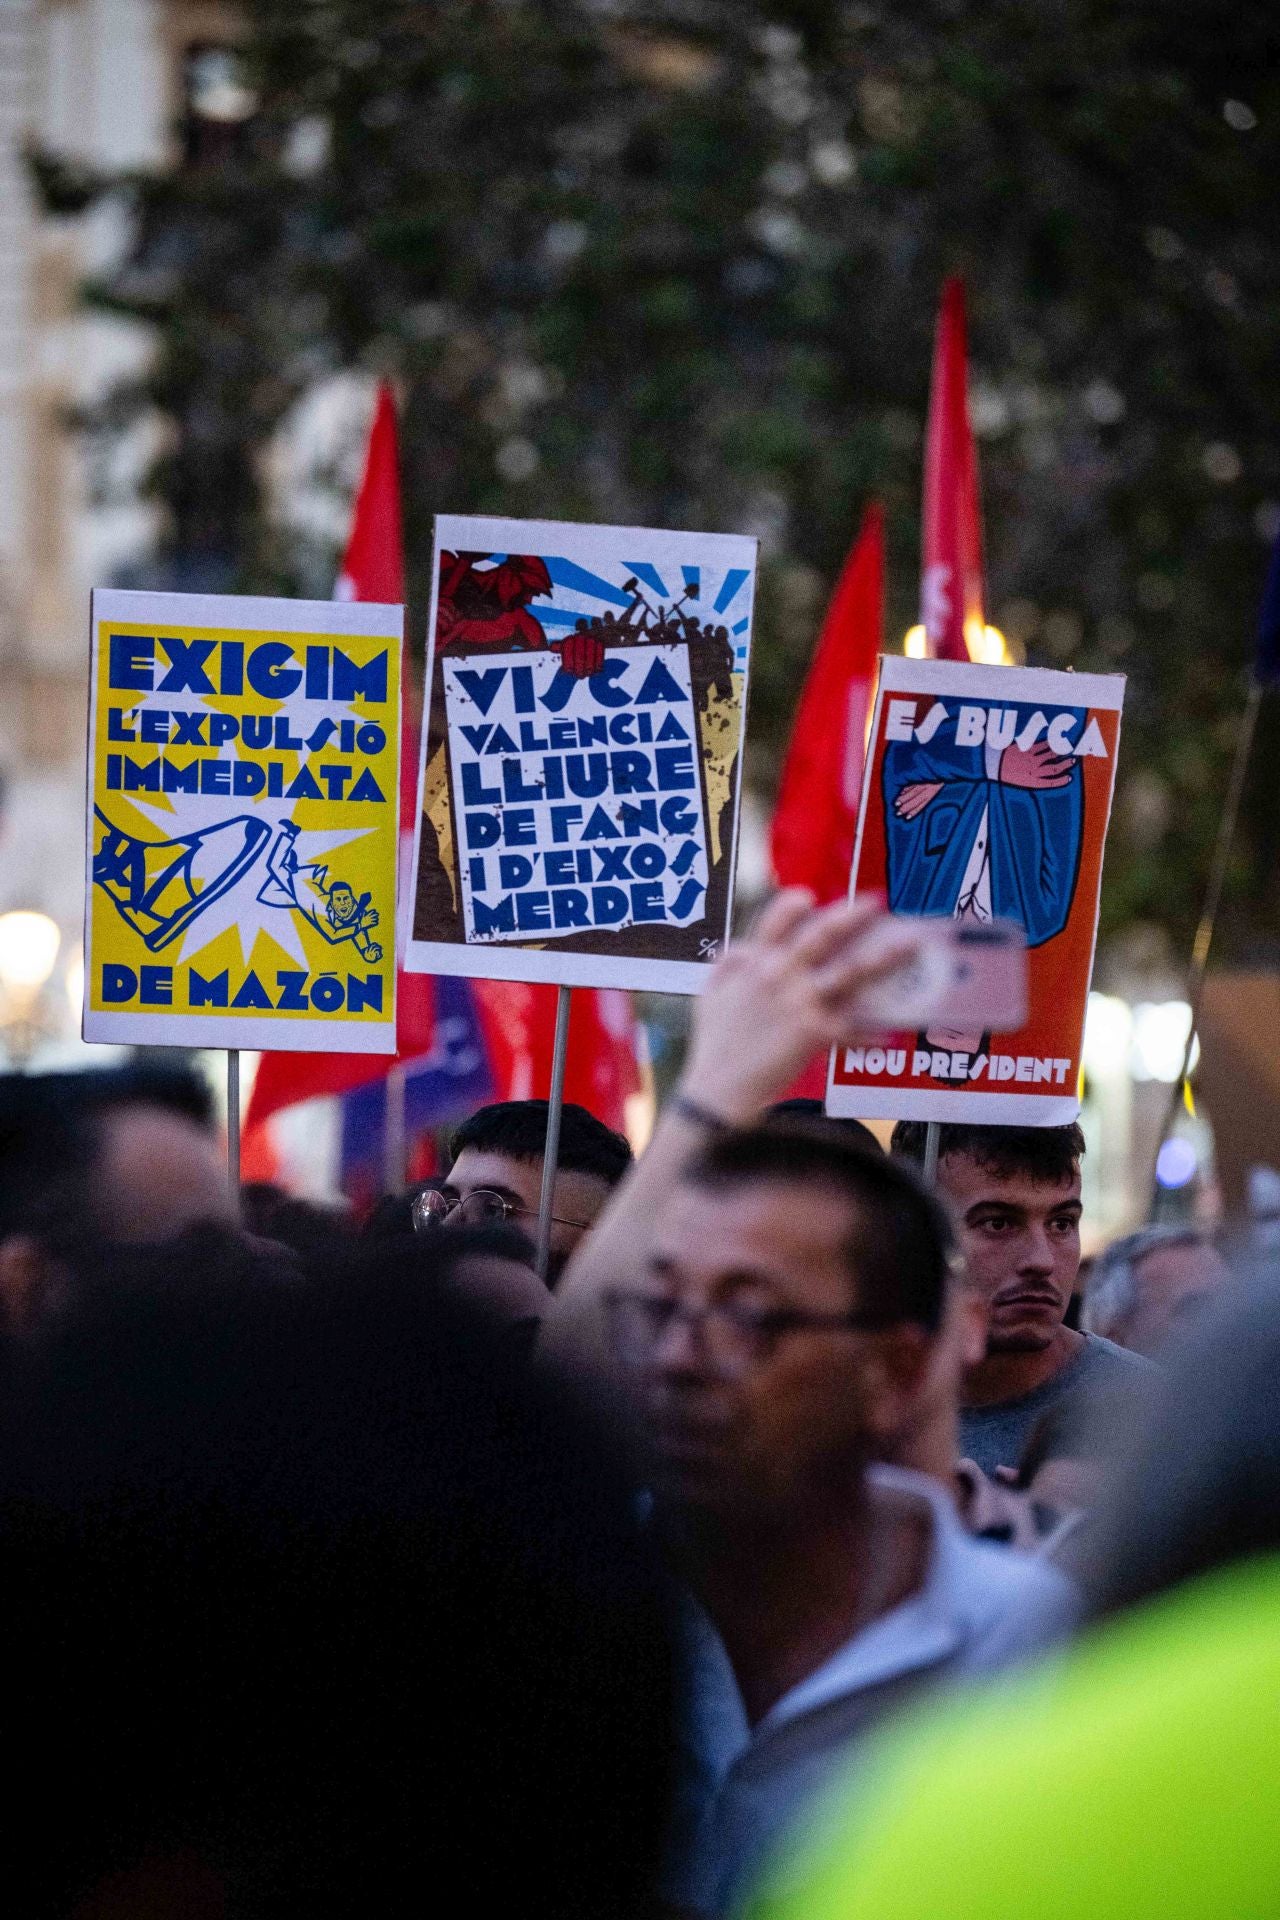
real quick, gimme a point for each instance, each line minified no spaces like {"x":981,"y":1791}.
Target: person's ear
{"x":895,"y":1371}
{"x":24,"y":1278}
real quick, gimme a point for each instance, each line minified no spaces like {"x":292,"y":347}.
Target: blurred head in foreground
{"x":324,"y":1603}
{"x":1163,"y":1723}
{"x":1144,"y":1288}
{"x":794,"y":1289}
{"x":122,"y":1157}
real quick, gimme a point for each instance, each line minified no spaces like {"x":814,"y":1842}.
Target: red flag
{"x":604,"y":1064}
{"x":951,"y":558}
{"x":811,"y":841}
{"x":373,"y":569}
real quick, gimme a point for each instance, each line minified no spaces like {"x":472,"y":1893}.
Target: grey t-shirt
{"x":996,"y":1436}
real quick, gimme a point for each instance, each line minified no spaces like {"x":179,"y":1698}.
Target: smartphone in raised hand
{"x":970,"y":975}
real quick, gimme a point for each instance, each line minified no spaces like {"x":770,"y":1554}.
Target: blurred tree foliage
{"x":677,"y":264}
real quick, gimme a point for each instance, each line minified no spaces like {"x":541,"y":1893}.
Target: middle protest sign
{"x":986,"y":796}
{"x":581,"y":760}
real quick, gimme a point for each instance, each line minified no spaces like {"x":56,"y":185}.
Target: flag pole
{"x":233,"y":1121}
{"x":393,"y":1131}
{"x":1199,"y":967}
{"x":555,"y":1107}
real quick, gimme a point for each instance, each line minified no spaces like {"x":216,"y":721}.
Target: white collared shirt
{"x":978,"y":1608}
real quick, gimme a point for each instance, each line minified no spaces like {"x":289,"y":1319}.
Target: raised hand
{"x":788,"y":991}
{"x":1035,"y":767}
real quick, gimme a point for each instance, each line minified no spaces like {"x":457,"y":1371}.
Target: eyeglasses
{"x":733,"y":1338}
{"x":481,"y":1208}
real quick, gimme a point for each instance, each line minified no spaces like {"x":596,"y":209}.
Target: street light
{"x":986,"y":644}
{"x":29,"y":945}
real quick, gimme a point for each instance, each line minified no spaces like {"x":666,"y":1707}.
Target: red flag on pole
{"x":951,"y":596}
{"x":373,"y":569}
{"x":811,"y":841}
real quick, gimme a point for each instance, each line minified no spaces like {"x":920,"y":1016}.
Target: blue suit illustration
{"x":987,"y":831}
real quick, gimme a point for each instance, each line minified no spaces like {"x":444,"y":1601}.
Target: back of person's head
{"x":319,"y":1593}
{"x":51,"y":1133}
{"x":1111,"y":1293}
{"x":519,"y":1128}
{"x":900,"y":1247}
{"x":47,"y":1146}
{"x":144,"y":1081}
{"x":1201,"y":1486}
{"x":308,"y":1228}
{"x":812,"y":1113}
{"x":1048,"y":1155}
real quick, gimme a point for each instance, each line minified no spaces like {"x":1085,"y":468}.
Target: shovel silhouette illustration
{"x":160,"y":886}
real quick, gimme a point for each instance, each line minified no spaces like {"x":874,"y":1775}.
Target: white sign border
{"x":548,"y":966}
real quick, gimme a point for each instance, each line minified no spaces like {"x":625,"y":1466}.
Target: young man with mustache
{"x":1014,"y":1194}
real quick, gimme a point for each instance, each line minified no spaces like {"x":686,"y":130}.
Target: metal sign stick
{"x":555,"y":1107}
{"x":1197,"y":971}
{"x":233,"y":1120}
{"x":932,"y":1141}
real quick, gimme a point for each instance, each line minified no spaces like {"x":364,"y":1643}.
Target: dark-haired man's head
{"x":812,"y":1113}
{"x":496,"y":1171}
{"x":782,"y":1324}
{"x":1146,"y":1287}
{"x":1014,"y":1193}
{"x":117,"y":1156}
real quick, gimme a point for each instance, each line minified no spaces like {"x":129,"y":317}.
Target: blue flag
{"x":1266,"y":667}
{"x":443,"y":1086}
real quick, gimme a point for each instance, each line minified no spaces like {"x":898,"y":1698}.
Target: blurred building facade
{"x":106,"y":84}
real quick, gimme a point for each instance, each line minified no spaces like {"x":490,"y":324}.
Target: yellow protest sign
{"x":242,"y":822}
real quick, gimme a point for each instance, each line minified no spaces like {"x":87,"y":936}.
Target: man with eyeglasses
{"x":772,"y":1297}
{"x":495,"y":1174}
{"x":783,"y":1323}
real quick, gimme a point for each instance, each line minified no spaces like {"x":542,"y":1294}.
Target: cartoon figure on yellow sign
{"x":333,"y":907}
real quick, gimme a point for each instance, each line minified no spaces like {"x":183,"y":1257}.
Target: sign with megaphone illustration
{"x":242,"y":822}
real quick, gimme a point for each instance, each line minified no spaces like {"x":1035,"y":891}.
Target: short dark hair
{"x":901,"y":1247}
{"x":519,"y":1127}
{"x":1047,"y":1154}
{"x":814,"y":1114}
{"x":51,"y":1127}
{"x":47,"y":1152}
{"x":168,"y":1083}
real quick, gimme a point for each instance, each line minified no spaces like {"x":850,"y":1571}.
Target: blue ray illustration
{"x":646,"y":571}
{"x":742,"y":626}
{"x":692,"y":577}
{"x":567,"y":573}
{"x":730,"y":586}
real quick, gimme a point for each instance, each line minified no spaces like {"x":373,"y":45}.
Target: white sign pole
{"x":394,"y":1141}
{"x":932,"y":1141}
{"x":555,"y":1107}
